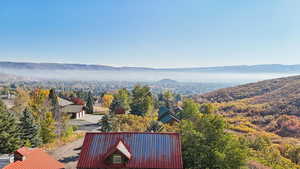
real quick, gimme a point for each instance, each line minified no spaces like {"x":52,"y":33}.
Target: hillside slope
{"x":270,"y":105}
{"x":249,"y":90}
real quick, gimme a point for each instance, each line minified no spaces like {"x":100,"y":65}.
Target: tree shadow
{"x":72,"y":158}
{"x":69,"y":159}
{"x":79,"y":148}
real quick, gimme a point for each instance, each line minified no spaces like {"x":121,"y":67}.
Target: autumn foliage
{"x":77,"y":101}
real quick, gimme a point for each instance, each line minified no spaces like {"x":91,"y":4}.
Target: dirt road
{"x":68,"y":154}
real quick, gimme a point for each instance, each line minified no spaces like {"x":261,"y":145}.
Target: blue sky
{"x":151,"y":33}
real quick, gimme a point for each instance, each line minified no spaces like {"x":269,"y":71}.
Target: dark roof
{"x":147,"y":150}
{"x":162,"y":110}
{"x":35,"y":159}
{"x":166,"y":116}
{"x":72,"y":109}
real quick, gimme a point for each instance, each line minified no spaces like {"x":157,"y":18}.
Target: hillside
{"x":262,"y":88}
{"x":270,"y":105}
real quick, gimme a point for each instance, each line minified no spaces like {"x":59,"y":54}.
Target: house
{"x":8,"y":100}
{"x":121,"y":110}
{"x":26,"y":158}
{"x":131,"y":150}
{"x":75,"y":111}
{"x":99,"y":108}
{"x":165,"y":115}
{"x":63,"y":102}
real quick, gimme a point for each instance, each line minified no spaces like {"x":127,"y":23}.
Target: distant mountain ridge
{"x":272,"y":68}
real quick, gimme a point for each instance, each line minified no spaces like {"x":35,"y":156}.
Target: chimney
{"x":19,"y":157}
{"x":20,"y":154}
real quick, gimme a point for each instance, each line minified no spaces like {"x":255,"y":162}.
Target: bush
{"x":207,"y":145}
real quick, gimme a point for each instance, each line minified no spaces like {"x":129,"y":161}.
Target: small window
{"x":117,"y":159}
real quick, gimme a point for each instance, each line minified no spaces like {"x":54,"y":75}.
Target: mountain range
{"x":271,"y":68}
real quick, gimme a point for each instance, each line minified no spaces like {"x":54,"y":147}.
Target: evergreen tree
{"x":106,"y":123}
{"x":90,"y":103}
{"x":30,"y":130}
{"x":178,"y":97}
{"x":54,"y":104}
{"x":190,"y":109}
{"x":142,"y":101}
{"x":9,"y":132}
{"x":120,"y":102}
{"x":48,"y":128}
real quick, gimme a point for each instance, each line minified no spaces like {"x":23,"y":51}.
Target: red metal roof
{"x":35,"y":159}
{"x":120,"y":147}
{"x":23,"y":151}
{"x":148,"y":150}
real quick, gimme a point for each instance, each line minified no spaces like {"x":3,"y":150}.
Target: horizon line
{"x":146,"y":67}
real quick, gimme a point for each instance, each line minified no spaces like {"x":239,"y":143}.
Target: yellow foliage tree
{"x":107,"y":100}
{"x":38,"y":102}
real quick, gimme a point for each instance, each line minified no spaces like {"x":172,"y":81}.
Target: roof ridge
{"x":135,"y":132}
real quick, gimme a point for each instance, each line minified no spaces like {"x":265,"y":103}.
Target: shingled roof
{"x":142,"y":150}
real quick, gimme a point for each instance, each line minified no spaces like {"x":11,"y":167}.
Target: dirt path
{"x":68,"y":154}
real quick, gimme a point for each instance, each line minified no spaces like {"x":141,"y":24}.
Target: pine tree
{"x":57,"y":114}
{"x":9,"y":132}
{"x":54,"y":104}
{"x":48,"y":128}
{"x":30,"y":130}
{"x":142,"y":101}
{"x":106,"y":123}
{"x":120,"y":103}
{"x":90,"y":104}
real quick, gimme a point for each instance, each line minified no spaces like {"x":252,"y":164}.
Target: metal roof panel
{"x":148,"y":150}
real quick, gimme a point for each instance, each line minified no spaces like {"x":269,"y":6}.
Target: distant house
{"x":131,"y":150}
{"x":25,"y":158}
{"x":75,"y":111}
{"x":98,"y":107}
{"x":63,"y":102}
{"x":77,"y":101}
{"x":166,"y":115}
{"x":121,"y":110}
{"x":8,"y":100}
